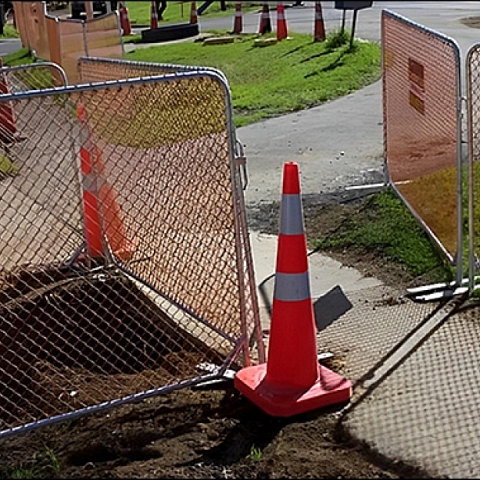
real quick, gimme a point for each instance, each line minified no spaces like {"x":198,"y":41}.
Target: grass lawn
{"x":9,"y":32}
{"x":385,"y":226}
{"x":284,"y":77}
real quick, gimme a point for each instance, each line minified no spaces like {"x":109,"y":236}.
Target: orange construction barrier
{"x":265,"y":25}
{"x":292,"y":381}
{"x":8,"y":127}
{"x":193,"y":13}
{"x":124,"y":20}
{"x":282,"y":32}
{"x":238,"y":22}
{"x":102,"y":213}
{"x":153,"y":16}
{"x":319,"y":30}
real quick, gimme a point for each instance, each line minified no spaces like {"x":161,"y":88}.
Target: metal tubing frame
{"x":471,"y":199}
{"x":37,"y":64}
{"x":100,"y":407}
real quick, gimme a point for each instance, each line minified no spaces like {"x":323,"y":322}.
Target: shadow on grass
{"x":338,"y":62}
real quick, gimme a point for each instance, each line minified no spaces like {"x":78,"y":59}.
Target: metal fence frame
{"x":473,"y":151}
{"x":119,"y":68}
{"x":250,"y":334}
{"x":59,"y":74}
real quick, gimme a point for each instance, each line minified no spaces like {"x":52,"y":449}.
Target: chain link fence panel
{"x":422,"y":131}
{"x":126,"y":268}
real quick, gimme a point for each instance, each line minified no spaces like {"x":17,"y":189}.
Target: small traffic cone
{"x":265,"y":25}
{"x":8,"y":126}
{"x":124,"y":20}
{"x":91,"y":216}
{"x":238,"y":23}
{"x":153,"y":16}
{"x":319,"y":30}
{"x":281,"y":23}
{"x":102,"y":213}
{"x":292,"y":381}
{"x":114,"y":227}
{"x":193,"y":13}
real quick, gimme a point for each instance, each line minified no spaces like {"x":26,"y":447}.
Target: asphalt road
{"x":9,"y":45}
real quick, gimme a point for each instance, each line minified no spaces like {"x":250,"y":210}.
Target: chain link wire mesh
{"x":414,"y":364}
{"x":421,"y":132}
{"x":424,"y":412}
{"x":81,"y":330}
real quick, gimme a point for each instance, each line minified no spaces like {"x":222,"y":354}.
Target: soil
{"x":213,"y":431}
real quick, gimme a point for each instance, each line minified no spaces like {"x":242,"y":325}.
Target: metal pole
{"x":89,"y":10}
{"x":2,"y":16}
{"x":343,"y":21}
{"x":354,"y":22}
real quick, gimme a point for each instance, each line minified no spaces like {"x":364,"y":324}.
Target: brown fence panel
{"x":421,"y":126}
{"x":172,"y":288}
{"x":64,"y":41}
{"x":72,"y":46}
{"x":24,"y":23}
{"x":103,"y":36}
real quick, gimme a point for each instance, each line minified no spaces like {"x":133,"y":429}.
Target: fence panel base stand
{"x":438,"y":291}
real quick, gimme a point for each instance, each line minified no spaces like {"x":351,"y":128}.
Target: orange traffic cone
{"x":292,"y":381}
{"x":319,"y":30}
{"x":114,"y":227}
{"x":193,"y":13}
{"x":237,"y":24}
{"x":102,"y":213}
{"x":265,"y":25}
{"x":91,"y":217}
{"x":153,"y":16}
{"x":8,"y":127}
{"x":124,"y":20}
{"x":281,"y":23}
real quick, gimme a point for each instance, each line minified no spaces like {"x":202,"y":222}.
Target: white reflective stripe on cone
{"x":292,"y":287}
{"x":291,"y":217}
